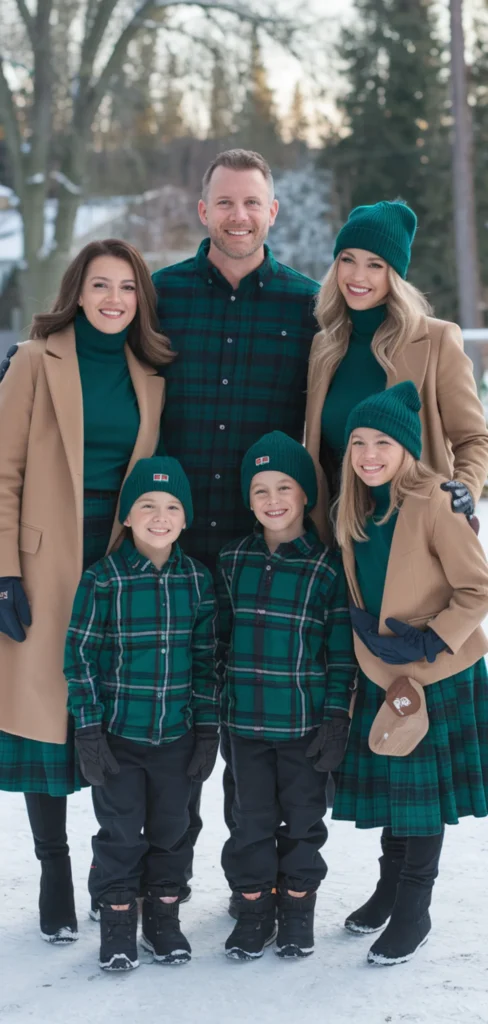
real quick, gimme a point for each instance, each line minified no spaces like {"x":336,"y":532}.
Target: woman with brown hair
{"x":80,"y":403}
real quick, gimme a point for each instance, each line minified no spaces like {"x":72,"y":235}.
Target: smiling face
{"x":238,"y":211}
{"x":278,"y":502}
{"x":108,"y":295}
{"x":375,"y":457}
{"x":156,"y":520}
{"x":362,"y":278}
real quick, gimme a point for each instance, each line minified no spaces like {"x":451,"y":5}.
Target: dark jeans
{"x":278,"y":810}
{"x":47,"y":817}
{"x":143,"y":841}
{"x":421,"y":855}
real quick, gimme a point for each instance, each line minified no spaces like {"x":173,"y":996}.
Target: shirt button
{"x":217,"y":476}
{"x":261,"y":285}
{"x":159,"y":693}
{"x":213,"y":523}
{"x":161,"y":581}
{"x":221,"y":426}
{"x":268,"y":568}
{"x":283,"y":334}
{"x":229,"y":341}
{"x":232,"y":298}
{"x":210,"y":280}
{"x":163,"y":650}
{"x":225,"y":381}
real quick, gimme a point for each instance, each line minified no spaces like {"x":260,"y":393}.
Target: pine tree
{"x":298,"y":123}
{"x":221,"y":112}
{"x":397,"y":141}
{"x":478,"y":94}
{"x":257,"y":124}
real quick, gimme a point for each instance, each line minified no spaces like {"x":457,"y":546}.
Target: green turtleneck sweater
{"x":358,"y":376}
{"x":372,"y":555}
{"x":110,"y":410}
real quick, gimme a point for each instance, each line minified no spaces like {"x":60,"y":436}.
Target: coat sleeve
{"x":16,"y":403}
{"x":83,"y":645}
{"x":465,"y":567}
{"x":340,"y":658}
{"x":461,"y":411}
{"x":205,"y":703}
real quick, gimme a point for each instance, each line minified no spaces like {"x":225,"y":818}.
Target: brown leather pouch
{"x":402,"y":721}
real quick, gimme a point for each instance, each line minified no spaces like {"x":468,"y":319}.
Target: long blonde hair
{"x":406,"y":305}
{"x":355,"y":504}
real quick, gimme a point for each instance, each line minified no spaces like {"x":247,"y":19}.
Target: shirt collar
{"x":143,"y":564}
{"x":211,"y":275}
{"x":309,"y":544}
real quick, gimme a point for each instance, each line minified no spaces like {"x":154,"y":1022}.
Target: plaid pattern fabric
{"x":27,"y":766}
{"x":140,"y":649}
{"x":442,"y":780}
{"x":285,"y":636}
{"x":241,"y":372}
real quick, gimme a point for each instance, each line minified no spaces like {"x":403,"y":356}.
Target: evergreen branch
{"x":12,"y":132}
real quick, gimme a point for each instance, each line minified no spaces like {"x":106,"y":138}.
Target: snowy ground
{"x":447,"y":982}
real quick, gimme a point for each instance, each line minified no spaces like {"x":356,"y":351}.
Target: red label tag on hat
{"x":262,"y":460}
{"x":161,"y":477}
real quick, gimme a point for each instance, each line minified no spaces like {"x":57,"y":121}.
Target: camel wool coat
{"x":454,"y":432}
{"x":41,"y":517}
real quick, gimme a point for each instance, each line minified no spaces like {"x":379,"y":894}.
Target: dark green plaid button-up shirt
{"x":286,"y":637}
{"x":241,"y":372}
{"x":140,"y":649}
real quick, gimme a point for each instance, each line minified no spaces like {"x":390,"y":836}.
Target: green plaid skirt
{"x":445,"y":778}
{"x":27,"y":766}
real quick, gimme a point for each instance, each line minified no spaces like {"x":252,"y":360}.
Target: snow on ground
{"x":447,"y":982}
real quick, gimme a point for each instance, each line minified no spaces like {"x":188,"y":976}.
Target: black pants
{"x":47,"y":817}
{"x":421,"y":855}
{"x":143,"y":815}
{"x":278,"y":810}
{"x":227,"y":778}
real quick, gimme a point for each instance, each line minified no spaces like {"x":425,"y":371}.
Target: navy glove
{"x":330,"y":741}
{"x":366,"y":628}
{"x":204,"y":752}
{"x":96,"y":758}
{"x":421,"y":644}
{"x":14,"y":608}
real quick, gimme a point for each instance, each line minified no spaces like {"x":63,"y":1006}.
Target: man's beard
{"x":255,"y":243}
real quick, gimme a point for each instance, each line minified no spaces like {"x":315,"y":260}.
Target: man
{"x":242,"y":325}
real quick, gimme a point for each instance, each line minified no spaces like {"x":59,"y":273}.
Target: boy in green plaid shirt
{"x":286,"y":645}
{"x":140,"y":666}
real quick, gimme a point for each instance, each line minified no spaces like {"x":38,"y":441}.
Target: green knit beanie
{"x":387,"y":229}
{"x":161,"y":473}
{"x":395,"y":412}
{"x":279,"y":452}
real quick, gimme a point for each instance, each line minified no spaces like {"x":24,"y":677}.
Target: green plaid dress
{"x":27,"y":766}
{"x":444,"y":779}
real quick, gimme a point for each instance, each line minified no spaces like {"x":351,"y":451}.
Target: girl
{"x":417,"y":759}
{"x":80,"y":403}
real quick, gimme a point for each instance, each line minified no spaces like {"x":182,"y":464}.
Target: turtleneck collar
{"x":381,"y":498}
{"x":97,"y":344}
{"x":366,"y":321}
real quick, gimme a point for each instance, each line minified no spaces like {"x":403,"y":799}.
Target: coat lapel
{"x":350,"y":571}
{"x":63,"y":377}
{"x":412,"y":361}
{"x":149,"y":388}
{"x":405,"y":540}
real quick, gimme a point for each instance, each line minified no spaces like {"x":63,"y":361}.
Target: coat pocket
{"x":29,"y":539}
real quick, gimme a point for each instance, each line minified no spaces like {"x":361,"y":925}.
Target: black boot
{"x":255,"y":928}
{"x":234,"y":905}
{"x":407,"y":930}
{"x":118,"y":938}
{"x":161,"y":932}
{"x":57,"y":902}
{"x":295,"y":925}
{"x":373,"y":914}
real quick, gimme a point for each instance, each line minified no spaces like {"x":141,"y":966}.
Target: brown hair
{"x":239,"y":160}
{"x":144,"y":336}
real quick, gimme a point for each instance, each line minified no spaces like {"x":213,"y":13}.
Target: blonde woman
{"x":417,"y":754}
{"x":376,"y":330}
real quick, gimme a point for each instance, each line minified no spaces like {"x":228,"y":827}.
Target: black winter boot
{"x":407,"y":930}
{"x":57,"y":902}
{"x":234,"y":905}
{"x":255,"y":928}
{"x":295,"y":925}
{"x":118,"y":938}
{"x":161,"y":932}
{"x":373,"y":914}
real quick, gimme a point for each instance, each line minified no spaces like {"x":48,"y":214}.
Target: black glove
{"x":204,"y":752}
{"x":461,"y":500}
{"x":330,"y":741}
{"x":14,"y":608}
{"x":96,"y":758}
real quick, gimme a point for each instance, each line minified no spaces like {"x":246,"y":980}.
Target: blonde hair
{"x":355,"y":504}
{"x":405,"y":304}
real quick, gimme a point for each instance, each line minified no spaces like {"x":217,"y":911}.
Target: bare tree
{"x":30,"y":111}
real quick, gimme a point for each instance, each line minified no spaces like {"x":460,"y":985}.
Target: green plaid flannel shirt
{"x":141,"y":644}
{"x":286,"y":649}
{"x":241,"y":372}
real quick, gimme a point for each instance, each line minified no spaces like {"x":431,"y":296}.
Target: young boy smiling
{"x":140,"y":666}
{"x":286,"y":645}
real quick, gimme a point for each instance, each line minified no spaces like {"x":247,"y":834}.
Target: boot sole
{"x":119,"y":962}
{"x":363,"y":929}
{"x":63,"y":937}
{"x":384,"y":961}
{"x":292,"y":952}
{"x":236,"y":953}
{"x":177,"y":956}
